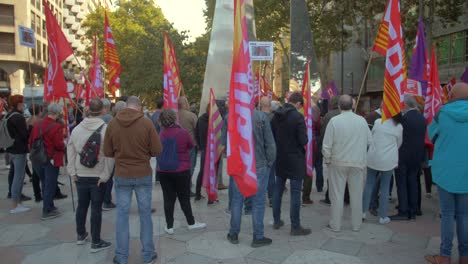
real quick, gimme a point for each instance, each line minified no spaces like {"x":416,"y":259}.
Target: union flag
{"x":172,"y":81}
{"x":111,"y":58}
{"x":306,"y":93}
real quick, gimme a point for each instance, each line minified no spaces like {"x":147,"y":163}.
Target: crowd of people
{"x":357,"y":159}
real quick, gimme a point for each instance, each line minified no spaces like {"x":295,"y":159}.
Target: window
{"x":38,"y":50}
{"x":38,"y":25}
{"x":44,"y":52}
{"x":7,"y":43}
{"x":7,"y":15}
{"x":443,"y":49}
{"x":377,"y":69}
{"x":458,"y":44}
{"x":33,"y":20}
{"x":38,"y":4}
{"x":33,"y":2}
{"x":43,"y":28}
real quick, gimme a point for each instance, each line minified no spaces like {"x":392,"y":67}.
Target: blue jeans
{"x":453,"y":207}
{"x":124,"y":188}
{"x":258,"y":205}
{"x":295,"y":207}
{"x":19,"y":162}
{"x":193,"y":160}
{"x":48,"y":174}
{"x":377,"y":177}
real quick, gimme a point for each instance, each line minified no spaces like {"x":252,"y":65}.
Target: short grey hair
{"x":106,"y":103}
{"x":133,"y":101}
{"x":345,"y":103}
{"x":54,"y":109}
{"x":119,"y":106}
{"x":411,"y":102}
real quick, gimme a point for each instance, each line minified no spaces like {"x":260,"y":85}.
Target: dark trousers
{"x":48,"y":174}
{"x":108,"y":189}
{"x":11,"y":175}
{"x":318,"y":165}
{"x":36,"y":183}
{"x":176,"y":185}
{"x":407,"y":187}
{"x":306,"y":187}
{"x":346,"y":194}
{"x":89,"y":192}
{"x":271,"y":182}
{"x":200,"y":173}
{"x":428,"y":179}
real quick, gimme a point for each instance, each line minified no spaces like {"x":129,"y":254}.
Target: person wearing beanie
{"x":16,"y":124}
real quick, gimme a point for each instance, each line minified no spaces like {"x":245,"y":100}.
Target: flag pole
{"x":363,"y":81}
{"x":86,"y":77}
{"x":32,"y":82}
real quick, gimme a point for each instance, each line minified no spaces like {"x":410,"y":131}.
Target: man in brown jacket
{"x":132,"y":140}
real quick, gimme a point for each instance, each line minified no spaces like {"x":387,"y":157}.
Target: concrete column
{"x":17,"y":81}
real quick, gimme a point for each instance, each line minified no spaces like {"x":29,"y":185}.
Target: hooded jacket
{"x":18,"y":131}
{"x":131,"y":140}
{"x":201,"y":131}
{"x":78,"y":139}
{"x":289,"y":130}
{"x":448,"y":131}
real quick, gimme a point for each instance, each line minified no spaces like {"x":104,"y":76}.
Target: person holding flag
{"x":265,"y":153}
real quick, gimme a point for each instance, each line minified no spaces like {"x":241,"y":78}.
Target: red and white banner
{"x":172,"y":81}
{"x":306,"y":93}
{"x":241,"y":152}
{"x":97,"y":86}
{"x":111,"y":58}
{"x":433,"y":101}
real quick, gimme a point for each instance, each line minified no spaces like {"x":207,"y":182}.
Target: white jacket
{"x":387,"y":139}
{"x":78,"y":138}
{"x":346,"y":139}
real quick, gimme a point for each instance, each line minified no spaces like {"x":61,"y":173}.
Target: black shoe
{"x":265,"y":241}
{"x":153,"y":210}
{"x":212,"y":202}
{"x":38,"y":199}
{"x":278,"y":225}
{"x":96,"y":247}
{"x":82,"y":239}
{"x":234,"y":239}
{"x":153,"y":259}
{"x":108,"y":206}
{"x":325,"y":201}
{"x":399,"y":217}
{"x":300,"y":231}
{"x":270,"y":203}
{"x":60,"y":196}
{"x":198,"y":197}
{"x":25,"y":198}
{"x":114,"y":260}
{"x":50,"y":215}
{"x":419,"y":213}
{"x":9,"y":196}
{"x":373,"y":212}
{"x":248,"y":212}
{"x":192,"y":194}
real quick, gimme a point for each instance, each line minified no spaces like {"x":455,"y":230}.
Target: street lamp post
{"x":351,"y":74}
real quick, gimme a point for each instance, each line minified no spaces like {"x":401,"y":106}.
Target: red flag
{"x":214,"y":149}
{"x":267,"y":90}
{"x":391,"y":32}
{"x":306,"y":93}
{"x":433,"y":101}
{"x":258,"y":90}
{"x":241,"y":152}
{"x":448,"y":89}
{"x":111,"y":58}
{"x":172,"y":81}
{"x":59,"y":50}
{"x":96,"y":73}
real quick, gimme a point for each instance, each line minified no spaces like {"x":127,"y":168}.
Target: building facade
{"x":14,"y":58}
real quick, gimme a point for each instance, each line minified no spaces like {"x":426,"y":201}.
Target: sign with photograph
{"x":26,"y":37}
{"x":261,"y":51}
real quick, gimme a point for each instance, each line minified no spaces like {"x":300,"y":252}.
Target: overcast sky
{"x":185,"y":14}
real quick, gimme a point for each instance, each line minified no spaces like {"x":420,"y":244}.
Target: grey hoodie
{"x":75,"y":145}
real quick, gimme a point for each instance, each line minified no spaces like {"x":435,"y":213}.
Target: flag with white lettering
{"x":306,"y":93}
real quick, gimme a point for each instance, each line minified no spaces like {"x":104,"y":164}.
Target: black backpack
{"x":38,"y":153}
{"x":89,"y":155}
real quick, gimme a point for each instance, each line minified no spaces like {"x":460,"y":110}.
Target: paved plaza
{"x":24,"y":238}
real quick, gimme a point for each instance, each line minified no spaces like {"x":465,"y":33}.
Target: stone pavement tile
{"x":410,"y":240}
{"x":318,"y":256}
{"x":30,"y":217}
{"x":369,"y":234}
{"x":390,"y":253}
{"x":21,"y":234}
{"x":252,"y":261}
{"x":11,"y":255}
{"x":275,"y":253}
{"x":215,"y":245}
{"x":315,"y":240}
{"x":66,"y":253}
{"x":342,"y":246}
{"x":168,"y":248}
{"x":190,"y":258}
{"x":433,"y":247}
{"x":420,"y":227}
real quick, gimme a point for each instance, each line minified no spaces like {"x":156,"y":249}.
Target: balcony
{"x":80,"y":32}
{"x":70,"y":2}
{"x":70,"y":20}
{"x":75,"y":9}
{"x":75,"y":26}
{"x":7,"y":20}
{"x":81,"y":16}
{"x":80,"y":1}
{"x":7,"y":48}
{"x":75,"y":43}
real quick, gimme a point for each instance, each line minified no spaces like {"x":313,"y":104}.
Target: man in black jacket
{"x":18,"y":130}
{"x":411,"y":155}
{"x":201,"y":132}
{"x":290,"y":134}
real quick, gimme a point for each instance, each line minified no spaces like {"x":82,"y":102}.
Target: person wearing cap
{"x":52,"y":133}
{"x":448,"y":132}
{"x":16,"y":124}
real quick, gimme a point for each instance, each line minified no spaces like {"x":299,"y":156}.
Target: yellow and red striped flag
{"x":308,"y":120}
{"x":172,"y":81}
{"x":111,"y":58}
{"x":389,"y":42}
{"x":214,"y":149}
{"x":447,"y":89}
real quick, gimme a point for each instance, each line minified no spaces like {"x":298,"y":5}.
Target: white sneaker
{"x":197,"y":225}
{"x":384,"y":221}
{"x":19,"y":209}
{"x":364,"y":216}
{"x":169,"y":231}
